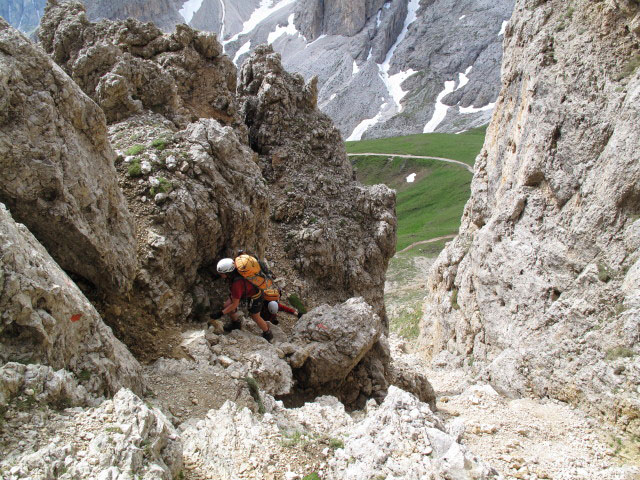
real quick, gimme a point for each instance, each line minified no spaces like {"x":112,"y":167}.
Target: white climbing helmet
{"x":273,"y":307}
{"x":226,"y":265}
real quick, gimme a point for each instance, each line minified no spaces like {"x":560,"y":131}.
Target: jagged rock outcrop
{"x":540,"y":286}
{"x":56,"y":167}
{"x":41,"y":384}
{"x":223,"y":442}
{"x":128,"y":66}
{"x":331,"y":341}
{"x":121,"y":438}
{"x":22,"y":14}
{"x":46,"y":318}
{"x":338,"y":234}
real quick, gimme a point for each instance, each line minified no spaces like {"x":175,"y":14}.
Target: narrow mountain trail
{"x":440,"y":159}
{"x":423,"y":242}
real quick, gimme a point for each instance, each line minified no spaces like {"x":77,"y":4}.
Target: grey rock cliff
{"x":540,"y":286}
{"x":56,"y":167}
{"x":163,"y":13}
{"x":338,"y":234}
{"x":22,"y":14}
{"x":46,"y":319}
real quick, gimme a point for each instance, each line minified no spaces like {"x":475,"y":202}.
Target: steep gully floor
{"x":522,"y":438}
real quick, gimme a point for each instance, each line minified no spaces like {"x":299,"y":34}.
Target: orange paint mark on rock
{"x":76,"y":317}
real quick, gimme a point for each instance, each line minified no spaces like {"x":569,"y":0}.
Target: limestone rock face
{"x":56,"y":167}
{"x":333,"y":340}
{"x":46,"y":318}
{"x":163,"y":13}
{"x":540,"y":286}
{"x":127,"y":66}
{"x":331,"y":237}
{"x":336,"y":17}
{"x":337,"y":234}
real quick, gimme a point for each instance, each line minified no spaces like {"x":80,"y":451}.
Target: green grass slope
{"x":432,"y":205}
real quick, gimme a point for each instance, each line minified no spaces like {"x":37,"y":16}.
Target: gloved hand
{"x":299,"y":314}
{"x":217,"y":315}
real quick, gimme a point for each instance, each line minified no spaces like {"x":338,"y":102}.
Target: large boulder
{"x":127,"y":66}
{"x":46,"y":319}
{"x":56,"y":167}
{"x":332,"y":341}
{"x":538,"y":288}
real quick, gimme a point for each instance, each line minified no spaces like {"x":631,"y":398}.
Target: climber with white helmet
{"x":270,"y":311}
{"x":240,"y":289}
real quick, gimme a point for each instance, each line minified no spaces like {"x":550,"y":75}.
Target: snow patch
{"x":411,"y":178}
{"x":503,"y":28}
{"x":224,"y":16}
{"x":378,"y":18}
{"x":441,"y":109}
{"x":472,"y":109}
{"x":243,"y":49}
{"x":355,"y":69}
{"x":393,"y":82}
{"x":189,"y":8}
{"x":462,"y":17}
{"x":266,"y":8}
{"x":316,"y":40}
{"x":364,"y":125}
{"x":290,"y":29}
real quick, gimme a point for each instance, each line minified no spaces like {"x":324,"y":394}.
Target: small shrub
{"x":619,"y":352}
{"x":135,"y":150}
{"x":335,"y":443}
{"x":113,"y":430}
{"x":569,"y":13}
{"x":297,"y":303}
{"x":84,"y":375}
{"x":604,"y":274}
{"x":254,"y":390}
{"x":135,"y":169}
{"x":312,"y":476}
{"x":454,"y":299}
{"x":291,"y":439}
{"x":164,"y":186}
{"x":630,"y":67}
{"x":159,"y":144}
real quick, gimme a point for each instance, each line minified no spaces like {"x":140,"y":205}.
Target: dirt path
{"x":422,"y":242}
{"x":441,"y":159}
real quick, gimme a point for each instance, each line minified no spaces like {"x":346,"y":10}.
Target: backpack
{"x":259,"y":275}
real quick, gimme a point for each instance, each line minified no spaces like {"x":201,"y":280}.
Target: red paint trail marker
{"x":76,"y":317}
{"x":322,"y":326}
